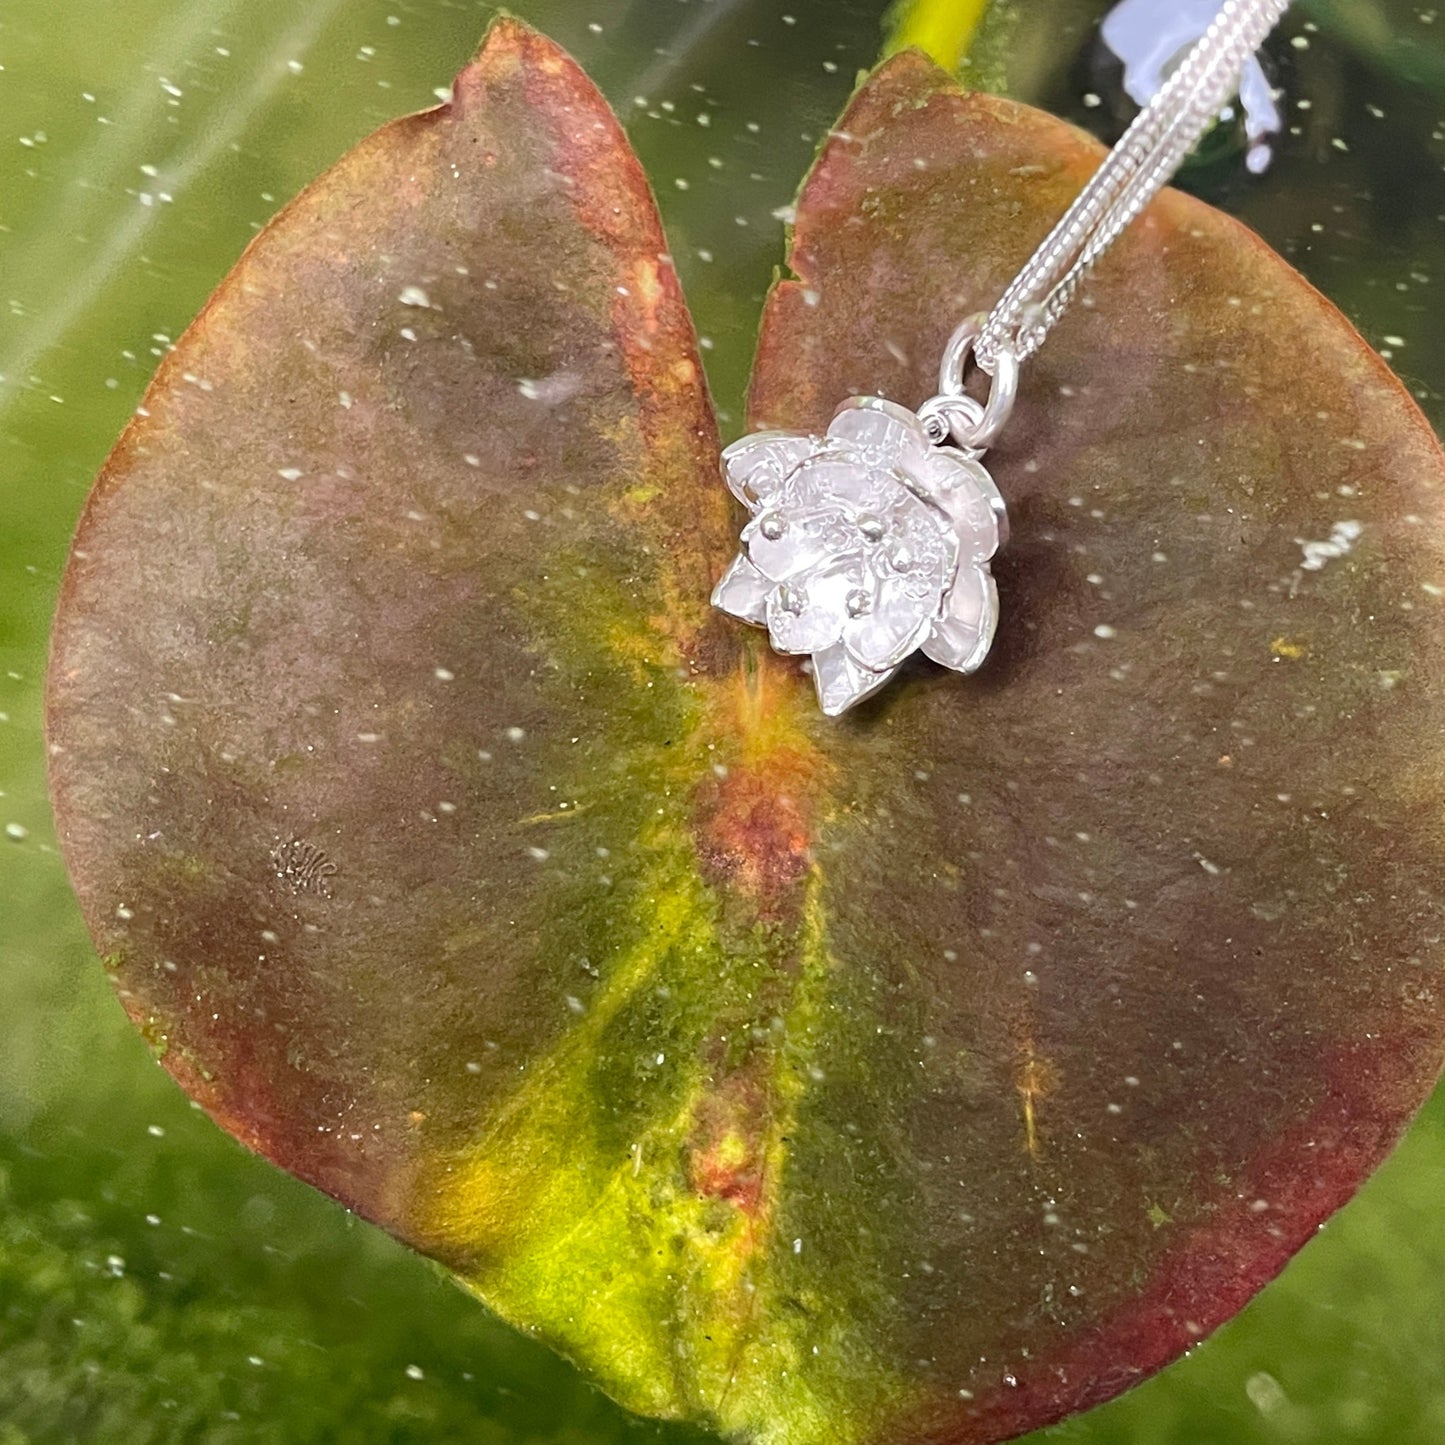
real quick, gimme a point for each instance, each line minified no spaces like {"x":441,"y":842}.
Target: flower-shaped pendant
{"x":864,"y":545}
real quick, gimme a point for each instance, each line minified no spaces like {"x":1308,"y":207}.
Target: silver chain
{"x":1136,"y":170}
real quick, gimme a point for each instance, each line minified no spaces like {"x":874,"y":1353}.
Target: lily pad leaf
{"x":916,"y":1076}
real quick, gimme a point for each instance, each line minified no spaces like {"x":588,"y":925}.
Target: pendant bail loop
{"x":953,"y":413}
{"x":952,"y":421}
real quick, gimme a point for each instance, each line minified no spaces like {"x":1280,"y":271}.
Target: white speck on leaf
{"x":1343,"y":536}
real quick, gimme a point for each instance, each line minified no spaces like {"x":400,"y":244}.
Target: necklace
{"x":875,"y":540}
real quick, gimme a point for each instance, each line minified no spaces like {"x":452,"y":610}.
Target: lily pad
{"x":921,"y":1075}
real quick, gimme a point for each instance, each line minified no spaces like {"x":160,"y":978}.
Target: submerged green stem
{"x":943,"y":29}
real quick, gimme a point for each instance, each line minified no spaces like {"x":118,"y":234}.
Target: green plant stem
{"x":942,"y":29}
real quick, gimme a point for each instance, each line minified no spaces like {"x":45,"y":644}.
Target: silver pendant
{"x":872,"y":541}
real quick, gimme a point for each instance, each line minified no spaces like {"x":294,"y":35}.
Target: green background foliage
{"x":156,"y":1282}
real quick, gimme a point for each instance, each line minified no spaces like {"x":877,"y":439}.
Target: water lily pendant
{"x":864,"y":545}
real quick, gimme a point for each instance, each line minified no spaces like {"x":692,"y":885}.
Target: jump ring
{"x":1002,"y":392}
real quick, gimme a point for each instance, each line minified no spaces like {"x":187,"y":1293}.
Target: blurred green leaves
{"x":1352,"y":1336}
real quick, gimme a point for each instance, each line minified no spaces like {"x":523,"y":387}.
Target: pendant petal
{"x":841,"y":681}
{"x":840,"y":479}
{"x":785,"y":545}
{"x":961,"y":638}
{"x":756,"y":467}
{"x":884,"y":433}
{"x":965,"y":491}
{"x":743,"y":592}
{"x":897,"y":623}
{"x":810,"y":614}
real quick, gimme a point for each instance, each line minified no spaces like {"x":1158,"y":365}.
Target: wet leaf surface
{"x":923,"y":1075}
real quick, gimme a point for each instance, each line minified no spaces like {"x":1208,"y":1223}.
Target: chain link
{"x":1136,"y":170}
